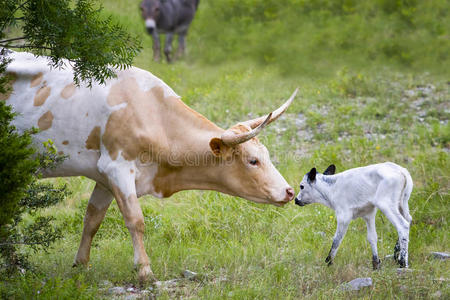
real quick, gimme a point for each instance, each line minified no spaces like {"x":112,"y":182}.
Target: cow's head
{"x":150,"y":10}
{"x":246,"y":166}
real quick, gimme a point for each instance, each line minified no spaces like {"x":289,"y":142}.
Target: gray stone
{"x":437,"y":294}
{"x":357,"y":284}
{"x":132,"y":290}
{"x":166,"y":284}
{"x":441,"y":255}
{"x":189,"y":275}
{"x":118,"y":290}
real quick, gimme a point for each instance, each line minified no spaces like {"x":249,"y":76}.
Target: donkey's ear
{"x":312,"y":175}
{"x":330,"y":170}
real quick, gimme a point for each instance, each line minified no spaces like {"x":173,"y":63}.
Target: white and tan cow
{"x":134,"y":136}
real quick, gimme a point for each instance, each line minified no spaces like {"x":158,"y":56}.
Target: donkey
{"x":358,"y":193}
{"x":169,"y":17}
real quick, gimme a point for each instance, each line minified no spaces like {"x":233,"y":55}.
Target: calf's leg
{"x":342,"y":226}
{"x":96,"y":209}
{"x":402,"y":226}
{"x":372,"y":238}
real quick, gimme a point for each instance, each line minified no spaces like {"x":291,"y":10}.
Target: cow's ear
{"x":217,"y":146}
{"x":330,"y":170}
{"x":312,"y":175}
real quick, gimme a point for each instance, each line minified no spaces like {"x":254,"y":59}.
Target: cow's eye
{"x":253,"y":162}
{"x":302,"y":187}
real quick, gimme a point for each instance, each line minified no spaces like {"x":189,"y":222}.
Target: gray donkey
{"x":358,"y":193}
{"x":169,"y":17}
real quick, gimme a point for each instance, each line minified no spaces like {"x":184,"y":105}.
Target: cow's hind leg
{"x":168,"y":46}
{"x":134,"y":220}
{"x":372,"y":237}
{"x":98,"y":205}
{"x":396,"y":250}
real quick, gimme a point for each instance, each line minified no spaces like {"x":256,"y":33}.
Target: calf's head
{"x":245,"y":163}
{"x":308,"y":187}
{"x":150,"y":10}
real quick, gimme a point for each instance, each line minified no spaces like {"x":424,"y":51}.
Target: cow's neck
{"x":188,"y":162}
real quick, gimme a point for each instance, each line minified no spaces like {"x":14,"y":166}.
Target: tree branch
{"x":13,"y":39}
{"x":25,"y":46}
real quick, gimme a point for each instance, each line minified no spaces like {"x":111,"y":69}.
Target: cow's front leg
{"x":181,"y":44}
{"x":134,"y":220}
{"x":342,"y":225}
{"x":96,"y":209}
{"x":372,"y":238}
{"x":168,"y":46}
{"x":156,"y":46}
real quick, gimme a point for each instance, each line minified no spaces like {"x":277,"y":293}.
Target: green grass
{"x":358,"y":105}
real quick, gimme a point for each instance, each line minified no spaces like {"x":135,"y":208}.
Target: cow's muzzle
{"x":298,"y":202}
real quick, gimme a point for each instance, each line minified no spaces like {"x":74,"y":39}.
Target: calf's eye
{"x":253,"y":162}
{"x":302,"y":187}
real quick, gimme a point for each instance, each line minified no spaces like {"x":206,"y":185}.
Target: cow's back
{"x":74,"y":118}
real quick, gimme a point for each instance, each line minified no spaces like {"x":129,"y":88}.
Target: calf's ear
{"x":330,"y":170}
{"x":312,"y":175}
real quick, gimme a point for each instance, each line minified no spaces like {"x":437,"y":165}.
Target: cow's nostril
{"x":290,"y":193}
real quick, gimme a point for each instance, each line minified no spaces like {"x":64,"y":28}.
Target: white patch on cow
{"x":118,"y":172}
{"x":144,"y":180}
{"x":150,"y":23}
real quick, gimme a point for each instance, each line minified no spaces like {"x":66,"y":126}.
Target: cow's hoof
{"x":329,"y":261}
{"x":146,"y":275}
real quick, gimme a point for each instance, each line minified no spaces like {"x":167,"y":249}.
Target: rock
{"x":166,"y":284}
{"x":437,"y":294}
{"x":118,"y":290}
{"x":105,"y":284}
{"x":189,"y":275}
{"x":132,"y":290}
{"x":441,"y":255}
{"x":357,"y":284}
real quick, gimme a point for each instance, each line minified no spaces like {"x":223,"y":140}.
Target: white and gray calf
{"x":358,"y":193}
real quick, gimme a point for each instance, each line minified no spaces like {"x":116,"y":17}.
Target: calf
{"x":358,"y":193}
{"x":170,"y":17}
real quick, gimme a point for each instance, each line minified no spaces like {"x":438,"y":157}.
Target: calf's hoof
{"x":376,"y":264}
{"x":145,"y":274}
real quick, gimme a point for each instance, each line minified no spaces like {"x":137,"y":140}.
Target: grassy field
{"x":374,"y":87}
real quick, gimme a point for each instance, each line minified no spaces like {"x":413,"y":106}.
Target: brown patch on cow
{"x":66,"y":142}
{"x":79,"y":152}
{"x":9,"y":86}
{"x":45,"y":121}
{"x":68,"y":91}
{"x":93,"y":140}
{"x":131,"y":171}
{"x":148,"y":122}
{"x":87,"y":114}
{"x":36,"y":80}
{"x":41,"y":95}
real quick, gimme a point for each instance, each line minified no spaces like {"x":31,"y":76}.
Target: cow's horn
{"x":230,"y":138}
{"x":275,"y":115}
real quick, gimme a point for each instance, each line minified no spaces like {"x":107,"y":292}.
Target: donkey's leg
{"x":168,"y":46}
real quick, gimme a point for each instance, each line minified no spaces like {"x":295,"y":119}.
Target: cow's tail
{"x":406,"y":193}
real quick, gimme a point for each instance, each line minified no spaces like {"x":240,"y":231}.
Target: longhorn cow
{"x":134,"y":136}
